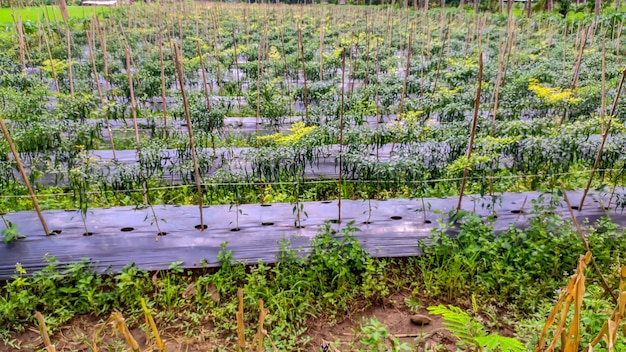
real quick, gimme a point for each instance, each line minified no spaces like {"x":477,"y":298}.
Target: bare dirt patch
{"x":344,"y":336}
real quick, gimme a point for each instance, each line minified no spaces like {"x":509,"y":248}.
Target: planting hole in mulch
{"x":517,"y":211}
{"x":366,"y":222}
{"x":201,"y":227}
{"x":87,"y":234}
{"x":55,"y":232}
{"x":127,"y":229}
{"x":575,"y":207}
{"x":395,"y":217}
{"x":333,"y":221}
{"x":326,"y":202}
{"x":427,"y":222}
{"x":266,"y":205}
{"x":162,"y":233}
{"x":236,"y":229}
{"x":267,"y":223}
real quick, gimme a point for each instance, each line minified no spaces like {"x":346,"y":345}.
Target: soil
{"x":393,"y":313}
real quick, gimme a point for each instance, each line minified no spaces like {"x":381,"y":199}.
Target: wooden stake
{"x":604,"y":136}
{"x":69,"y":58}
{"x":100,"y":94}
{"x":306,"y":98}
{"x":605,"y":285}
{"x":163,"y":89}
{"x":473,"y":130}
{"x":343,"y":88}
{"x":133,"y":109}
{"x":54,"y":73}
{"x":181,"y":81}
{"x":31,"y":192}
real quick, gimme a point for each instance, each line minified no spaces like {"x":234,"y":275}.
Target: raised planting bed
{"x":113,"y":238}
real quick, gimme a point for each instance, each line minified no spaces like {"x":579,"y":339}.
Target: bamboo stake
{"x":54,"y":73}
{"x":367,"y":52}
{"x":20,"y":39}
{"x":181,"y":80}
{"x":441,"y":56}
{"x":204,"y":81}
{"x":100,"y":94}
{"x":44,"y":332}
{"x":473,"y":130}
{"x":236,"y":66}
{"x":604,"y":136}
{"x":305,"y":91}
{"x":103,"y":47}
{"x":343,"y":88}
{"x":215,"y":30}
{"x":133,"y":110}
{"x":69,"y":58}
{"x":502,"y":48}
{"x":163,"y":89}
{"x":322,"y":29}
{"x":406,"y":73}
{"x":603,"y":89}
{"x":350,"y":73}
{"x":605,"y":285}
{"x":241,"y":337}
{"x":31,"y":192}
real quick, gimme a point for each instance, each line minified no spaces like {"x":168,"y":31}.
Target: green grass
{"x":36,"y":13}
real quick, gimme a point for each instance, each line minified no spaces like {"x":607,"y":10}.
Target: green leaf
{"x":494,"y":342}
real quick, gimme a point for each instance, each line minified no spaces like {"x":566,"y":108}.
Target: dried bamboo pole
{"x":207,"y":96}
{"x":350,"y":73}
{"x":305,"y":91}
{"x":322,"y":29}
{"x":236,"y":66}
{"x":341,"y":120}
{"x":502,"y":51}
{"x":241,"y":337}
{"x":20,"y":40}
{"x":100,"y":94}
{"x":181,"y":79}
{"x":367,"y":52}
{"x":133,"y":109}
{"x":103,"y":47}
{"x":406,"y":73}
{"x":473,"y":130}
{"x":54,"y":72}
{"x":603,"y":281}
{"x":44,"y":332}
{"x":604,"y":136}
{"x":603,"y":88}
{"x":441,"y":57}
{"x":20,"y":166}
{"x":68,"y":43}
{"x":163,"y":88}
{"x":215,"y":31}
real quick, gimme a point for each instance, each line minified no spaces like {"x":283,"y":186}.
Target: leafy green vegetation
{"x":500,"y":273}
{"x":154,"y":104}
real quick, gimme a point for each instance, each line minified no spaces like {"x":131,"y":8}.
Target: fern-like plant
{"x":472,"y":333}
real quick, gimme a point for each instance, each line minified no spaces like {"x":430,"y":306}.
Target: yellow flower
{"x":273,"y":53}
{"x":298,"y":130}
{"x":552,"y":96}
